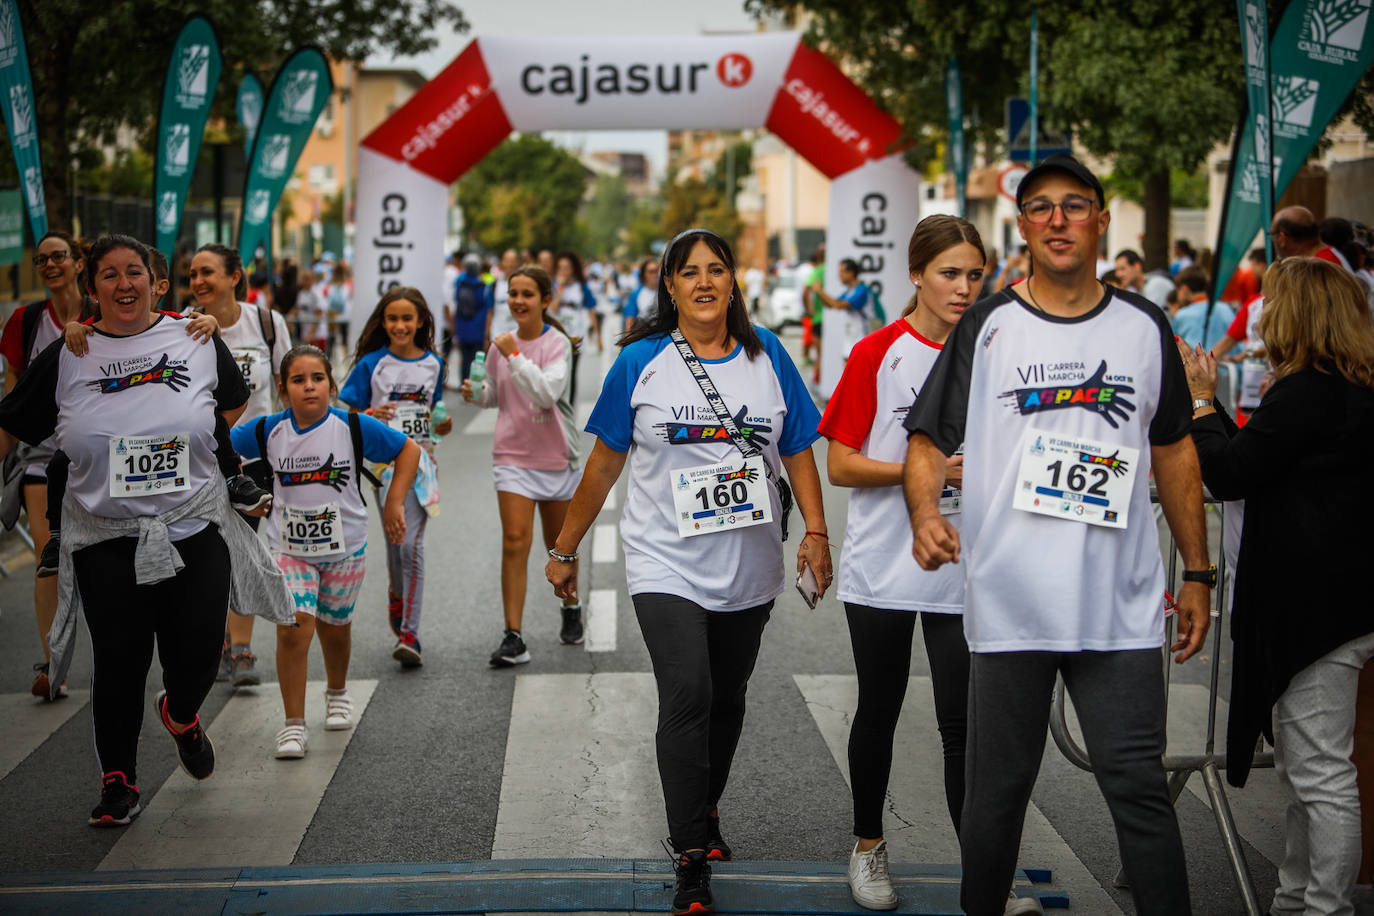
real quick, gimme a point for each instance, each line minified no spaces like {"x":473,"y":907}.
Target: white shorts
{"x":540,"y":486}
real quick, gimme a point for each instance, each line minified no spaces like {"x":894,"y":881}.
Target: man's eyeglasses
{"x":57,"y":258}
{"x":1040,"y":210}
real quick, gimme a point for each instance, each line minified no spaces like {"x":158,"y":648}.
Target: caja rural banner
{"x":16,"y":97}
{"x":299,"y":92}
{"x":188,"y":89}
{"x":248,"y":107}
{"x":1319,"y":52}
{"x":497,"y":85}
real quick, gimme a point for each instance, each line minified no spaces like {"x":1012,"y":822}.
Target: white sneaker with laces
{"x":1020,"y":906}
{"x":291,"y":742}
{"x":869,"y":881}
{"x":338,"y":712}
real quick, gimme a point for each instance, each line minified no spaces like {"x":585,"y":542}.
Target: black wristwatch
{"x":1207,"y":577}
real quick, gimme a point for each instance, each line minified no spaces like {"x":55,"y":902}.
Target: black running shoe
{"x":692,"y":892}
{"x":511,"y":652}
{"x":571,"y":633}
{"x":717,"y":850}
{"x":118,"y":802}
{"x":49,"y":560}
{"x":245,"y":496}
{"x":194,"y":749}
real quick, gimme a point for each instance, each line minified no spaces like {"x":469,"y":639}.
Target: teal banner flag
{"x":958,"y":152}
{"x":11,"y":227}
{"x":1317,"y":56}
{"x":188,"y":89}
{"x":249,"y":109}
{"x":299,"y":92}
{"x":16,"y":98}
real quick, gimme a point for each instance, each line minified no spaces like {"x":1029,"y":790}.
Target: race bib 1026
{"x":311,"y":531}
{"x":1075,"y":478}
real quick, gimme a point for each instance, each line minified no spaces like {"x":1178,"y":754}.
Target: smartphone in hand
{"x":808,"y":587}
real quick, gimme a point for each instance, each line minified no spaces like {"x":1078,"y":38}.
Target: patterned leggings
{"x":405,"y":565}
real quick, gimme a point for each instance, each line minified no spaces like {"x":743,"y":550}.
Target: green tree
{"x":644,"y":228}
{"x":525,"y":193}
{"x":1153,"y":84}
{"x":98,"y":68}
{"x":604,"y":215}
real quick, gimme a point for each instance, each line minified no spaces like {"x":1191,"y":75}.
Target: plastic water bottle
{"x":436,"y":416}
{"x":477,"y":375}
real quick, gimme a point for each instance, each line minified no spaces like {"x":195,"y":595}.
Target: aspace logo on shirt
{"x":297,"y":472}
{"x":131,"y":373}
{"x":680,"y":431}
{"x":1099,"y":393}
{"x":411,"y":393}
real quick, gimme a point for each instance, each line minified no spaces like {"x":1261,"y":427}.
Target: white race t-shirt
{"x":411,"y":386}
{"x":1009,"y":373}
{"x":571,"y":313}
{"x":651,"y":407}
{"x":501,"y":319}
{"x":245,"y":341}
{"x":884,"y":372}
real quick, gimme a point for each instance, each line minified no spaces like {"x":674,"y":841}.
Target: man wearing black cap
{"x":1065,"y":395}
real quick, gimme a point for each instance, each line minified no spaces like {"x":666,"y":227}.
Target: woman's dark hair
{"x":107,"y":243}
{"x":74,"y":244}
{"x":935,"y":234}
{"x":232,"y":262}
{"x":540,"y":276}
{"x":296,"y":353}
{"x":575,"y":261}
{"x":374,"y":336}
{"x":737,"y":323}
{"x":643,"y":266}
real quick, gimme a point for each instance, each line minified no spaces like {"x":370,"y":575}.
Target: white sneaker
{"x":291,"y":742}
{"x":338,"y":712}
{"x":869,"y":882}
{"x":1019,"y":906}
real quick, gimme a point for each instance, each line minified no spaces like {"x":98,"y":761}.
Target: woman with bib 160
{"x":709,"y":411}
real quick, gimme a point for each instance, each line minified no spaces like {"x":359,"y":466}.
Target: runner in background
{"x":312,"y":314}
{"x":642,"y":304}
{"x":813,"y":310}
{"x":472,"y":302}
{"x":398,"y":378}
{"x":536,"y":455}
{"x":318,"y":527}
{"x":574,"y":306}
{"x":499,"y":319}
{"x":257,"y":338}
{"x":29,"y":330}
{"x":702,"y":589}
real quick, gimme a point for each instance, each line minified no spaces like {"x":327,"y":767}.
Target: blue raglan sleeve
{"x":613,"y":419}
{"x":800,"y":428}
{"x":381,"y":443}
{"x":244,"y":437}
{"x":439,"y":384}
{"x":357,"y":388}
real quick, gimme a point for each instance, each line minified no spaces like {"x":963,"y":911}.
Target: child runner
{"x":318,"y":527}
{"x":537,"y":455}
{"x":397,"y":378}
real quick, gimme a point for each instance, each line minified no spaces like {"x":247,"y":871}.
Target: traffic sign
{"x":1009,"y":179}
{"x":1018,"y":134}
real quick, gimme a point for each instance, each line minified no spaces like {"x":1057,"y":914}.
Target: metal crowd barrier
{"x":1180,"y":767}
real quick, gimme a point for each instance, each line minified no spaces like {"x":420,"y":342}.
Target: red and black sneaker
{"x":194,"y":750}
{"x":393,"y":612}
{"x":118,"y":802}
{"x":717,"y":850}
{"x":692,"y":892}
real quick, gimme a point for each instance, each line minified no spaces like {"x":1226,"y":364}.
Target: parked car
{"x":783,"y":304}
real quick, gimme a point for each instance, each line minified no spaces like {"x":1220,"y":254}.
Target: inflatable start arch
{"x":497,"y":85}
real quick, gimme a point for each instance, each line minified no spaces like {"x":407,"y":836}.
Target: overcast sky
{"x":584,"y":17}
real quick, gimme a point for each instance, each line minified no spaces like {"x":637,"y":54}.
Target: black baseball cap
{"x":1061,"y":162}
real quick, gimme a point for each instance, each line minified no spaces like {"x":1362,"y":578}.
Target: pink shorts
{"x":326,"y":590}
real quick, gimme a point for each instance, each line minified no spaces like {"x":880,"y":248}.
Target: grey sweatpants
{"x":1119,"y":697}
{"x":405,"y":564}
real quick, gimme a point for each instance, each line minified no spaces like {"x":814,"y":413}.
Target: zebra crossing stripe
{"x":605,"y":539}
{"x":601,"y":620}
{"x":254,"y":810}
{"x":29,"y":721}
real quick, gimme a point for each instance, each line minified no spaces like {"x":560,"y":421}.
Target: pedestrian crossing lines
{"x":28,"y":721}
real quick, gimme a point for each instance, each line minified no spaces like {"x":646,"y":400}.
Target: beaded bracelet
{"x":563,"y":557}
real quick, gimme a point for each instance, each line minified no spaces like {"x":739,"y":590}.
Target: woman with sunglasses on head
{"x":709,"y":411}
{"x":147,"y":527}
{"x":29,"y":330}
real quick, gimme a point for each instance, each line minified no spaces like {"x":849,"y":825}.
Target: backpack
{"x":355,"y":432}
{"x":28,"y":326}
{"x":467,"y":299}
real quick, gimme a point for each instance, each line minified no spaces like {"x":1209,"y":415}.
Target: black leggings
{"x":882,"y":659}
{"x":702,"y":661}
{"x":225,"y":456}
{"x":186,"y":615}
